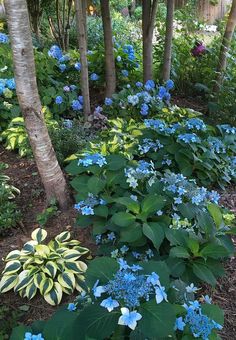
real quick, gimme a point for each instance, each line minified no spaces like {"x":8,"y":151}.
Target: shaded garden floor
{"x":31,"y":202}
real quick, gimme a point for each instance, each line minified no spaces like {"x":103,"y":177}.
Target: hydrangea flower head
{"x":150,"y":85}
{"x":125,"y":73}
{"x":169,"y":84}
{"x":55,"y":52}
{"x":76,"y":105}
{"x":94,"y":77}
{"x":108,"y":101}
{"x":59,"y":100}
{"x":71,"y":307}
{"x":4,"y":38}
{"x":78,"y":66}
{"x":92,"y":159}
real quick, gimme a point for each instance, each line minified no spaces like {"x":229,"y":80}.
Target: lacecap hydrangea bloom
{"x":30,"y":336}
{"x":86,"y":207}
{"x":92,"y":159}
{"x":4,"y":38}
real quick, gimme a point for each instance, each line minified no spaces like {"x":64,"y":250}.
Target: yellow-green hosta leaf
{"x":75,"y":266}
{"x":39,"y":235}
{"x":51,"y":269}
{"x":31,"y":291}
{"x":82,"y":250}
{"x":23,"y":280}
{"x":67,"y":280}
{"x":63,"y":237}
{"x":61,"y":250}
{"x":71,"y":254}
{"x":80,"y":283}
{"x":67,"y":291}
{"x":11,"y":267}
{"x":29,"y":247}
{"x":13,"y":255}
{"x":53,"y":256}
{"x":72,"y":243}
{"x":38,"y":278}
{"x":42,"y":250}
{"x":54,"y":245}
{"x":28,"y":263}
{"x":22,"y":292}
{"x":38,"y":260}
{"x":46,"y":285}
{"x":55,"y":295}
{"x":8,"y":282}
{"x":33,"y":270}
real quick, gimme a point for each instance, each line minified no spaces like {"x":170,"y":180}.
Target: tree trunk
{"x":109,"y":49}
{"x":27,"y":93}
{"x":229,"y":31}
{"x":148,"y":25}
{"x":180,"y":3}
{"x":132,"y":8}
{"x":168,"y":40}
{"x":80,"y":23}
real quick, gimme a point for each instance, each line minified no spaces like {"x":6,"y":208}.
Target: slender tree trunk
{"x":168,"y":40}
{"x":109,"y":49}
{"x":228,"y":35}
{"x":80,"y":23}
{"x":148,"y":25}
{"x":132,"y":8}
{"x":27,"y":93}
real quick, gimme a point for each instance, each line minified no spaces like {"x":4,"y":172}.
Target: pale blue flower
{"x":124,"y":249}
{"x":98,"y":290}
{"x":71,"y":307}
{"x":179,"y":324}
{"x":62,"y":67}
{"x":118,"y":58}
{"x":129,"y":318}
{"x":3,"y":38}
{"x":169,"y":84}
{"x":76,"y":105}
{"x":59,"y":100}
{"x":78,"y":66}
{"x":109,"y":304}
{"x":191,"y":288}
{"x":108,"y":101}
{"x":154,"y":279}
{"x":160,"y":294}
{"x":94,"y":77}
{"x":125,"y":73}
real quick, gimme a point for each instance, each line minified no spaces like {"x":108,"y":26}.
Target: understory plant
{"x":51,"y":269}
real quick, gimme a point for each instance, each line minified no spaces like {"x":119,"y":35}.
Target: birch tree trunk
{"x":81,"y":28}
{"x":168,"y":40}
{"x":109,"y":49}
{"x":227,"y":38}
{"x":28,"y":97}
{"x":148,"y":24}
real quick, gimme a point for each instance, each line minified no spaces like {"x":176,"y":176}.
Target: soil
{"x":31,"y":202}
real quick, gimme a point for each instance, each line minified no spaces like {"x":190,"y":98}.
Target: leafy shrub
{"x":132,"y":301}
{"x":8,"y":320}
{"x":53,"y":269}
{"x":142,"y":206}
{"x":9,"y":215}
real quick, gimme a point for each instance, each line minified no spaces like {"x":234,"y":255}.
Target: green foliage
{"x":8,"y":320}
{"x":51,"y":269}
{"x":9,"y":215}
{"x":49,"y":212}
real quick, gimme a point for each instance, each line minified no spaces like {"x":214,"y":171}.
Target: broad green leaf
{"x":130,"y":204}
{"x":216,"y":214}
{"x":131,"y":234}
{"x":204,"y":273}
{"x":154,"y":232}
{"x":67,"y":280}
{"x":180,"y":252}
{"x":213,"y":312}
{"x":96,"y":185}
{"x":116,"y":162}
{"x":215,"y":251}
{"x":101,"y":269}
{"x":152,"y":203}
{"x":123,"y":219}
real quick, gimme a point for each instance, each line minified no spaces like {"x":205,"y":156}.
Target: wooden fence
{"x":211,"y":13}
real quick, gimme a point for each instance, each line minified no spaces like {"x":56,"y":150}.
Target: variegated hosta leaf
{"x":31,"y":290}
{"x":67,"y":280}
{"x":61,"y":250}
{"x":67,"y":291}
{"x":13,"y":255}
{"x":39,"y":235}
{"x":80,"y":284}
{"x":8,"y":282}
{"x":28,"y":263}
{"x":72,"y":243}
{"x":75,"y":266}
{"x":46,"y":285}
{"x":55,"y":295}
{"x":54,"y":245}
{"x":63,"y":237}
{"x":53,"y":256}
{"x":23,"y":280}
{"x":51,"y":269}
{"x":33,"y":270}
{"x":38,"y":260}
{"x":71,"y":254}
{"x":38,"y":278}
{"x":29,"y":247}
{"x":82,"y":250}
{"x":11,"y":267}
{"x":42,"y":250}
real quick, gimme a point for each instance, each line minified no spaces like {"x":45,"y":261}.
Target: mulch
{"x":31,"y":202}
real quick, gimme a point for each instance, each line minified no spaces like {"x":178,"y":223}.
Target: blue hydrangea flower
{"x":124,"y":249}
{"x":228,"y":129}
{"x":216,"y":145}
{"x":118,"y":58}
{"x":179,"y":324}
{"x":139,"y":84}
{"x":149,"y":144}
{"x":160,"y":294}
{"x":129,"y":50}
{"x":92,"y":159}
{"x":76,"y":105}
{"x":81,"y":99}
{"x":134,"y":100}
{"x":189,"y":138}
{"x":195,"y":124}
{"x":150,"y":85}
{"x":87,"y":211}
{"x":10,"y":84}
{"x":71,"y":307}
{"x":109,"y":304}
{"x":66,"y":88}
{"x":98,"y":290}
{"x":162,"y":93}
{"x":169,"y":84}
{"x":30,"y":336}
{"x":129,"y":318}
{"x":98,"y":239}
{"x":191,"y":288}
{"x":111,"y":236}
{"x":59,"y":100}
{"x":125,"y":73}
{"x":108,"y":101}
{"x":68,"y":123}
{"x":115,"y":253}
{"x":73,"y":87}
{"x":155,"y":124}
{"x":144,"y":110}
{"x":94,"y":77}
{"x":4,"y":38}
{"x":149,"y":253}
{"x":154,"y":279}
{"x":55,"y":52}
{"x":78,"y":66}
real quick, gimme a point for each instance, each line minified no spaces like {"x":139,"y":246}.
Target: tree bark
{"x":226,"y":42}
{"x":148,"y":25}
{"x":29,"y":101}
{"x":81,"y":28}
{"x":109,"y":49}
{"x":168,"y":40}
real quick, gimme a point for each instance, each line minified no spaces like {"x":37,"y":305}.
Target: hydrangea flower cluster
{"x":77,"y":104}
{"x":129,"y":50}
{"x":142,"y":171}
{"x":92,"y":159}
{"x":195,"y":124}
{"x":30,"y":336}
{"x":188,"y":190}
{"x":200,"y":324}
{"x":6,"y":87}
{"x":228,"y":129}
{"x":86,"y":207}
{"x":110,"y":237}
{"x":128,"y":289}
{"x":4,"y":38}
{"x":149,"y":144}
{"x":216,"y":145}
{"x":188,"y":138}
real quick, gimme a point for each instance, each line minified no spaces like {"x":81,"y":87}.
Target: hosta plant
{"x":51,"y":269}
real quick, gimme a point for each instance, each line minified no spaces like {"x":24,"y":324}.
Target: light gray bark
{"x":168,"y":40}
{"x":148,"y":25}
{"x":81,"y":28}
{"x":227,"y":38}
{"x":109,"y":49}
{"x":29,"y":101}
